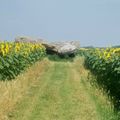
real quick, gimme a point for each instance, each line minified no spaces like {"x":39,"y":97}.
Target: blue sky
{"x":92,"y":22}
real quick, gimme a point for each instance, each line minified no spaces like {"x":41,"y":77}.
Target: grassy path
{"x":61,"y":93}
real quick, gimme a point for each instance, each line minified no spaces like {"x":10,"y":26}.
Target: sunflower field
{"x":15,"y":57}
{"x":105,"y":65}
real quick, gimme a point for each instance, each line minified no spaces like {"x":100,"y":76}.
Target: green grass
{"x":63,"y":92}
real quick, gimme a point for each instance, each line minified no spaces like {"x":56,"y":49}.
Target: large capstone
{"x":62,"y":48}
{"x":27,"y":39}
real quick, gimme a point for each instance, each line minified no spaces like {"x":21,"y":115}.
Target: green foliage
{"x":107,"y":72}
{"x":59,"y":58}
{"x":13,"y":63}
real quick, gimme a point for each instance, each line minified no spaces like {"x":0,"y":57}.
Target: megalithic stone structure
{"x":61,"y":48}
